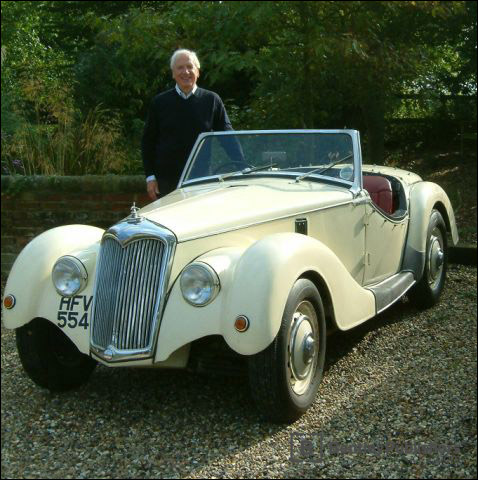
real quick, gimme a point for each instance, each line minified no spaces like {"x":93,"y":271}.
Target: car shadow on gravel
{"x":166,"y":395}
{"x":340,"y":344}
{"x":197,"y":404}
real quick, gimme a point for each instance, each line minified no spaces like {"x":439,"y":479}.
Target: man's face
{"x":185,"y":73}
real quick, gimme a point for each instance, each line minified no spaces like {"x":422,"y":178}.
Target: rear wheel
{"x":426,"y":292}
{"x":285,"y":377}
{"x":50,"y":358}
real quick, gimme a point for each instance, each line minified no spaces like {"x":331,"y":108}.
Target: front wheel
{"x":50,"y":358}
{"x":285,"y":377}
{"x":427,"y":291}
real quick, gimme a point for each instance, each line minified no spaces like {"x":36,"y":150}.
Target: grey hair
{"x":183,"y":51}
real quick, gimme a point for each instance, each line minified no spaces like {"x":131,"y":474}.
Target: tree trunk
{"x":374,"y":113}
{"x":307,"y":106}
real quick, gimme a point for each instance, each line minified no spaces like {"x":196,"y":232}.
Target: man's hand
{"x":152,"y":189}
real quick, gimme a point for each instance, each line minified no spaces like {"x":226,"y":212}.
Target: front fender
{"x":266,"y":273}
{"x":30,"y":281}
{"x":256,"y":282}
{"x":424,"y":197}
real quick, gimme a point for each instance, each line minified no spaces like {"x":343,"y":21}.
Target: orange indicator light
{"x":242,"y":323}
{"x":9,"y":302}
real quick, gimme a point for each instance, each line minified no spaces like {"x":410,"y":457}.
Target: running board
{"x":390,"y":290}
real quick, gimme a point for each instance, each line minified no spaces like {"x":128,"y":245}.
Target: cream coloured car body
{"x":253,"y":247}
{"x":411,"y":241}
{"x":30,"y":278}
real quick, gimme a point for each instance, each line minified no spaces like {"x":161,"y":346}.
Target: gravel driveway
{"x":398,"y":399}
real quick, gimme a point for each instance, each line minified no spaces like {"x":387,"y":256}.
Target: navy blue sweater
{"x":172,"y":127}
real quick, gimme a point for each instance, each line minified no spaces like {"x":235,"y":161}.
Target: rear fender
{"x":424,"y":197}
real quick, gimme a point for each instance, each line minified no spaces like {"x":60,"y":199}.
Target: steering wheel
{"x":224,"y":166}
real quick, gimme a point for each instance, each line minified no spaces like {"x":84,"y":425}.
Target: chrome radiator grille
{"x":126,"y":294}
{"x":130,"y":285}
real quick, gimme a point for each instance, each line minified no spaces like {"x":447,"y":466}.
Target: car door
{"x":385,"y":231}
{"x":342,"y":229}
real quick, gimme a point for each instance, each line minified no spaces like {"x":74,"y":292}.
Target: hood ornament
{"x":134,"y":217}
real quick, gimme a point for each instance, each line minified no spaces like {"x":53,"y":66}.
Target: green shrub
{"x":60,"y":140}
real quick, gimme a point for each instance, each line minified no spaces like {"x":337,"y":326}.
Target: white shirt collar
{"x":186,"y":95}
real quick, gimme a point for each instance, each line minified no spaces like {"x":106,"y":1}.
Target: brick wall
{"x":31,"y":205}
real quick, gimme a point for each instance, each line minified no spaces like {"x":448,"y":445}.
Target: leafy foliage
{"x":73,"y":71}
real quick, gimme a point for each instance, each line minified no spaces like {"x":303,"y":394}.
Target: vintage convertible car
{"x":272,"y":239}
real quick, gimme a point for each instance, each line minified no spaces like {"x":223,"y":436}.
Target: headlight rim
{"x":83,"y":274}
{"x":216,"y":283}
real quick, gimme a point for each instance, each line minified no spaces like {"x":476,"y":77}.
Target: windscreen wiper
{"x":247,"y":170}
{"x":322,"y":169}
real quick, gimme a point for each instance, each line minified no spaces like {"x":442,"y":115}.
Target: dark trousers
{"x":166,"y":185}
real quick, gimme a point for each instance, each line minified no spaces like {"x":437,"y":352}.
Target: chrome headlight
{"x":199,"y":284}
{"x":69,"y":276}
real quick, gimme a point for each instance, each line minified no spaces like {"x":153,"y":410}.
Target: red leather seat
{"x":380,"y":190}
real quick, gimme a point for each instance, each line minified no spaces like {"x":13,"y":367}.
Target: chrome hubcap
{"x":302,"y":347}
{"x":309,"y":349}
{"x":436,"y":258}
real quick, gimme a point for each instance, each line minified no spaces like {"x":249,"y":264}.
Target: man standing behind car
{"x":175,"y":119}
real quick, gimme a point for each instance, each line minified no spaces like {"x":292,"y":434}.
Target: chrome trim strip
{"x":125,"y":233}
{"x":349,"y":131}
{"x":358,"y":182}
{"x":271,"y":174}
{"x":233,"y":229}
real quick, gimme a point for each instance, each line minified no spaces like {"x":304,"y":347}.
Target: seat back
{"x":380,"y":190}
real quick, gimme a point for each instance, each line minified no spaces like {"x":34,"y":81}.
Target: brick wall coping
{"x":12,"y":185}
